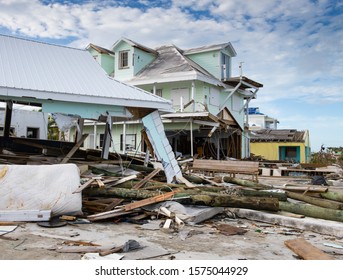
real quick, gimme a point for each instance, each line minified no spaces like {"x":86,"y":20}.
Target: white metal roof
{"x":44,"y":71}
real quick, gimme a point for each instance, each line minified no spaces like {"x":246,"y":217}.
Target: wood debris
{"x":306,"y":250}
{"x":120,"y":187}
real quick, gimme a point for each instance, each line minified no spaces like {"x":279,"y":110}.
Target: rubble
{"x":123,"y":190}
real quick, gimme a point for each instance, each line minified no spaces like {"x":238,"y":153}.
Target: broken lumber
{"x":85,"y":185}
{"x":148,"y":201}
{"x":127,"y":209}
{"x":141,"y":183}
{"x":312,"y":211}
{"x":147,"y":178}
{"x":74,"y":149}
{"x":306,"y":250}
{"x":316,"y":201}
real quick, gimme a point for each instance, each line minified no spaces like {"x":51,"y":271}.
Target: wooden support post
{"x":74,"y":149}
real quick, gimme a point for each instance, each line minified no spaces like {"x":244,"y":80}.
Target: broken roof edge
{"x":279,"y":135}
{"x":99,"y":49}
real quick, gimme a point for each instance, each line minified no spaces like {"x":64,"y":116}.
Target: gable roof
{"x":170,"y":65}
{"x":99,"y":49}
{"x":212,"y":48}
{"x":135,"y":44}
{"x":46,"y":72}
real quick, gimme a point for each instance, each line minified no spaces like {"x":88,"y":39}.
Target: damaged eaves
{"x":277,"y":135}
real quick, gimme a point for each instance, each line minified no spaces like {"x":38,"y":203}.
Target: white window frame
{"x":123,"y":62}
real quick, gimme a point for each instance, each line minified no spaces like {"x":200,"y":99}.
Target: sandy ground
{"x":261,"y":241}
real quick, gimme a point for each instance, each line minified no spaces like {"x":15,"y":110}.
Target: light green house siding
{"x":141,"y":59}
{"x":123,"y":74}
{"x":106,"y":61}
{"x":209,"y":61}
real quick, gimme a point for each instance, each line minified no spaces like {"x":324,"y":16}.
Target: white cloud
{"x":294,"y":47}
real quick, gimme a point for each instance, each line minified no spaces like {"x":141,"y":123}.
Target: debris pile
{"x":127,"y":190}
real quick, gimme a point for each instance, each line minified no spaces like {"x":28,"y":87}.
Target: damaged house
{"x":281,"y":145}
{"x":69,"y":84}
{"x":210,"y":105}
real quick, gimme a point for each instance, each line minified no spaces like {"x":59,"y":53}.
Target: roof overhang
{"x":246,"y":83}
{"x":176,"y":77}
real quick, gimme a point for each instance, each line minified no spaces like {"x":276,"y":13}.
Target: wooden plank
{"x":25,"y":215}
{"x":85,"y":185}
{"x":147,"y":178}
{"x":123,"y":180}
{"x":118,"y":201}
{"x":306,"y":250}
{"x":186,"y":182}
{"x":74,"y":149}
{"x":149,"y":201}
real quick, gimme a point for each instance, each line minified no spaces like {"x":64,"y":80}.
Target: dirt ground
{"x":261,"y":241}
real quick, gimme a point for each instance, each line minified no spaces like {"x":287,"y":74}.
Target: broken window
{"x":32,"y":132}
{"x":289,"y":153}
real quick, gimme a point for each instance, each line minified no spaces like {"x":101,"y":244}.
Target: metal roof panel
{"x":41,"y":67}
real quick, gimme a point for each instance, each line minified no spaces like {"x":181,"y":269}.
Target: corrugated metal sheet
{"x":42,"y":68}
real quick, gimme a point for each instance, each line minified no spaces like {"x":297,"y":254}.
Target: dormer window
{"x":123,"y":59}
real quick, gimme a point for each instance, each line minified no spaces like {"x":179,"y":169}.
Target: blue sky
{"x":293,"y":47}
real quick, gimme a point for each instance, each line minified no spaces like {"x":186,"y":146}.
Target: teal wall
{"x":141,"y":59}
{"x":209,"y":61}
{"x":106,"y":61}
{"x":86,"y":110}
{"x":126,"y":73}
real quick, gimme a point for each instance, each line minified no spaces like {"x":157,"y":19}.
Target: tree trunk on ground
{"x":208,"y":199}
{"x":316,"y":201}
{"x":332,"y":196}
{"x":256,"y":203}
{"x":312,"y":211}
{"x":246,"y":183}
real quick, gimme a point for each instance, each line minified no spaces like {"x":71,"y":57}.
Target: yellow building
{"x":281,"y":145}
